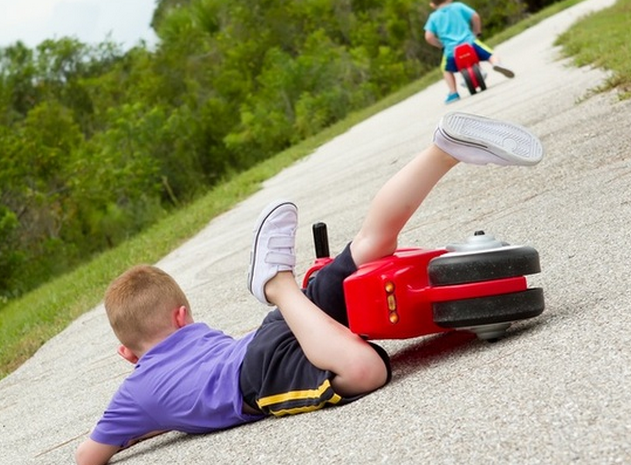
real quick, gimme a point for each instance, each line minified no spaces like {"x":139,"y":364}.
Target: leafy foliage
{"x":97,"y":144}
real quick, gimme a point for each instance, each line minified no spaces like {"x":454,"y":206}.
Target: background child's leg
{"x":396,"y":202}
{"x":486,"y":53}
{"x":448,"y":67}
{"x":450,"y":79}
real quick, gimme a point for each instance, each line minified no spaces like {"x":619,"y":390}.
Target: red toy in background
{"x":468,"y":64}
{"x":479,"y":286}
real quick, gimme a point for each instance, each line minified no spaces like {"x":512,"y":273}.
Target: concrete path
{"x":557,"y":390}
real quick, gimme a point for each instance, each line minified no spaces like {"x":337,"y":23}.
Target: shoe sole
{"x":265,"y":214}
{"x":505,"y":71}
{"x":510,"y":142}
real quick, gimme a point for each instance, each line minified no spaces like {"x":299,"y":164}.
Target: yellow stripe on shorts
{"x":306,"y":394}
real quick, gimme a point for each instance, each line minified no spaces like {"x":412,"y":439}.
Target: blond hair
{"x":139,"y":304}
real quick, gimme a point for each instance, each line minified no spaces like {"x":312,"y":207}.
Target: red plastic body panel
{"x":372,"y":309}
{"x":465,"y":56}
{"x":466,"y":59}
{"x":319,"y":263}
{"x":392,"y":298}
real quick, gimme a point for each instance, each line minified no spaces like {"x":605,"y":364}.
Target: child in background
{"x":452,"y":24}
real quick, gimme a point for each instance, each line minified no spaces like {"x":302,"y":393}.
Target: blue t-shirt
{"x":452,"y":25}
{"x":189,"y":382}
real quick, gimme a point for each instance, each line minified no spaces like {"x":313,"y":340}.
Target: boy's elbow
{"x":476,"y":24}
{"x":80,"y":456}
{"x":91,"y":452}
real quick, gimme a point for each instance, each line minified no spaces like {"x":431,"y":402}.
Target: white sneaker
{"x":273,"y":247}
{"x":479,"y":140}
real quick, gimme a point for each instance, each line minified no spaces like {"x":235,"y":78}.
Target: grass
{"x":28,"y":322}
{"x":602,"y":40}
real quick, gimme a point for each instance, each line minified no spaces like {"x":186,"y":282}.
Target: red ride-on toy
{"x":478,"y":285}
{"x":468,"y":64}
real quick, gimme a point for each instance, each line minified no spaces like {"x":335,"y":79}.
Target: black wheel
{"x":489,"y":310}
{"x":468,"y":79}
{"x":479,"y":77}
{"x":470,"y":267}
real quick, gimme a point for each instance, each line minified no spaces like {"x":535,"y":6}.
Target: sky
{"x":89,"y":21}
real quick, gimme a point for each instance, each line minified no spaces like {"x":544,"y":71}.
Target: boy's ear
{"x":182,"y":317}
{"x":127,"y":354}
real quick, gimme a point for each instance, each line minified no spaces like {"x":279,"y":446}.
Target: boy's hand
{"x":476,"y":25}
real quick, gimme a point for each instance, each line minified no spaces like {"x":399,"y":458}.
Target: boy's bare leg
{"x":450,"y":79}
{"x":327,"y":344}
{"x":499,"y":67}
{"x":396,"y":202}
{"x":458,"y":137}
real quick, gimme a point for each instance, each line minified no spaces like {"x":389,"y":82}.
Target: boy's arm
{"x":476,"y":25}
{"x":431,"y":39}
{"x":91,"y":452}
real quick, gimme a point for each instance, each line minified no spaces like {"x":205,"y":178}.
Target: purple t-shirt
{"x":189,"y":382}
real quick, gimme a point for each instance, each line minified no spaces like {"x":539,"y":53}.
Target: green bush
{"x":97,"y":144}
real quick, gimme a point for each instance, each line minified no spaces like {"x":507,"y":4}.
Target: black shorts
{"x":276,"y":377}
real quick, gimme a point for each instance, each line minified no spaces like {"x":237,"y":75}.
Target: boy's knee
{"x":385,"y":367}
{"x":372,"y":371}
{"x":374,"y":376}
{"x":369,"y":247}
{"x":366,"y":371}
